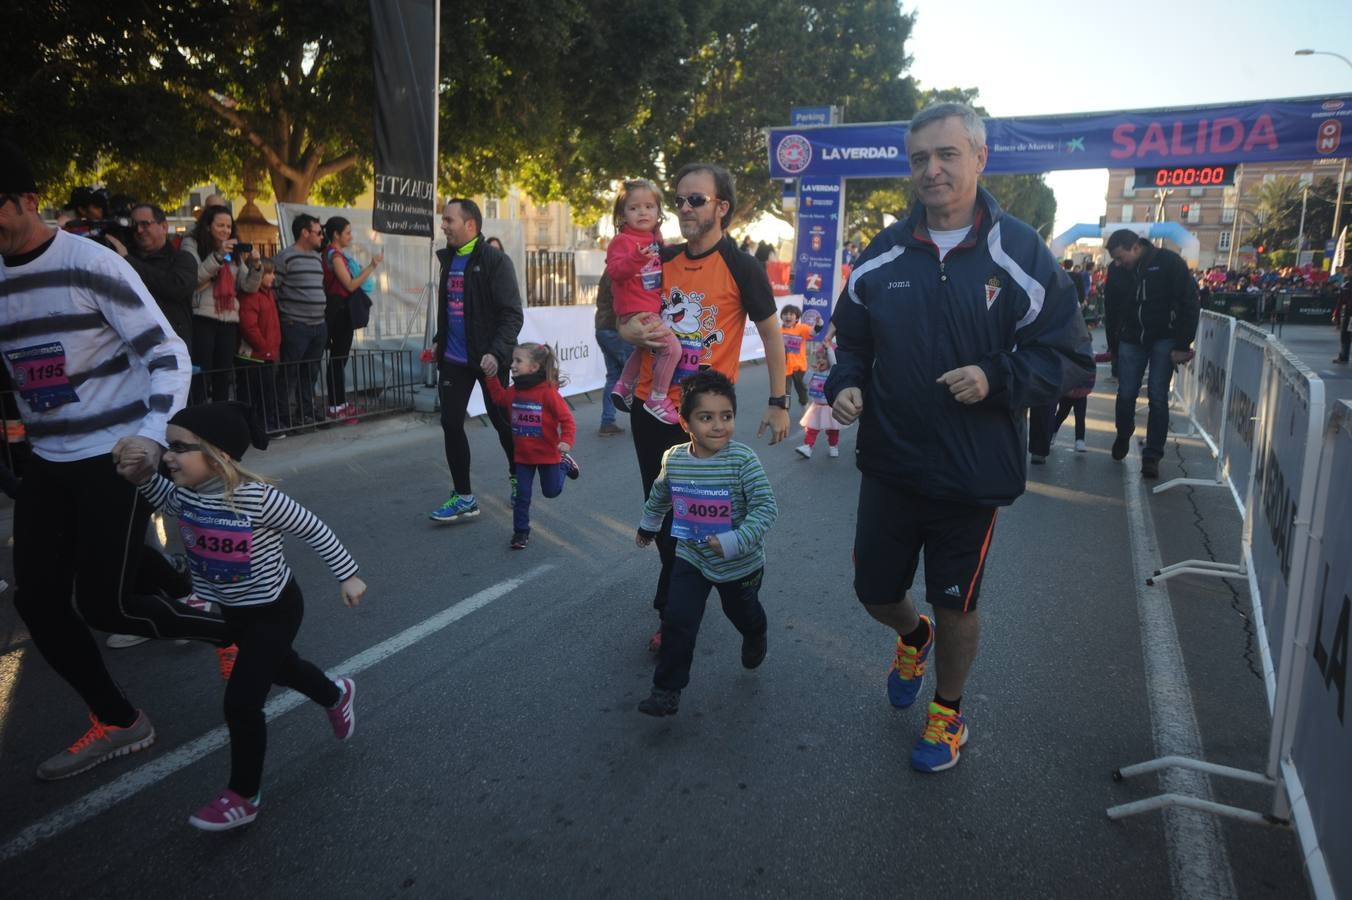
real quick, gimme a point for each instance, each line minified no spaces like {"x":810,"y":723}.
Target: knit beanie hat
{"x":228,"y":424}
{"x":16,"y":176}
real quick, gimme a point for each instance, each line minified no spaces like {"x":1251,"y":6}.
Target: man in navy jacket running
{"x":953,"y":322}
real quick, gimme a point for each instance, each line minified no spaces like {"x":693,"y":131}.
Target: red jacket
{"x":635,"y":277}
{"x":260,"y":329}
{"x":541,"y":420}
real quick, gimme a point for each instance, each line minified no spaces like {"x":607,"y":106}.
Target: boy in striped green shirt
{"x":722,"y":506}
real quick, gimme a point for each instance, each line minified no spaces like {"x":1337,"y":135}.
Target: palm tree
{"x":1276,"y":211}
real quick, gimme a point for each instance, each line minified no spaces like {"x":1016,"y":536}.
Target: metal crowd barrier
{"x":1262,"y":413}
{"x":307,"y":393}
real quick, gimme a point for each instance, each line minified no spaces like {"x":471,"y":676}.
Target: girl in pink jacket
{"x":635,"y":269}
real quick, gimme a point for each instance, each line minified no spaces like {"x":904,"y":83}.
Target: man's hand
{"x":137,"y":458}
{"x":776,"y":419}
{"x":1179,"y":357}
{"x":118,"y":246}
{"x":353,"y":590}
{"x":644,"y":331}
{"x":489,"y":364}
{"x":849,"y":406}
{"x":967,"y":385}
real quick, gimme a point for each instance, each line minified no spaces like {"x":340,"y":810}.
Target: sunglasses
{"x":694,"y":201}
{"x":180,"y":447}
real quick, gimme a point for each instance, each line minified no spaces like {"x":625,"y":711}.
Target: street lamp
{"x":1324,"y":53}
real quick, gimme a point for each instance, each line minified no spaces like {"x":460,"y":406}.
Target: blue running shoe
{"x":908,"y":669}
{"x":938,"y":748}
{"x":456,"y":509}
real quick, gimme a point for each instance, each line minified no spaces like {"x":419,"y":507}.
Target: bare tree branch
{"x":237,"y":121}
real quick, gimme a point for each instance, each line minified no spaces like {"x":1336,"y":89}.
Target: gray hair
{"x":937,"y":112}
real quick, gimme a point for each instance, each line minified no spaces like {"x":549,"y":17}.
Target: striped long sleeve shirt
{"x":727,"y":496}
{"x":91,"y":354}
{"x":235,"y":548}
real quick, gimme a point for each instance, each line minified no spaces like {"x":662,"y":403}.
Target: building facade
{"x":1216,"y":215}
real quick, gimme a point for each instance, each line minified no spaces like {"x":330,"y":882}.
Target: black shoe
{"x":1039,"y":460}
{"x":753,"y":650}
{"x":660,"y":703}
{"x":1120,"y":447}
{"x":519,"y":540}
{"x":1150,"y":467}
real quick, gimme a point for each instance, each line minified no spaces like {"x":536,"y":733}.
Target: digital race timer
{"x":1186,"y":176}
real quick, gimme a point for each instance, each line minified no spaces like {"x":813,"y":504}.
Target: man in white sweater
{"x":97,"y":369}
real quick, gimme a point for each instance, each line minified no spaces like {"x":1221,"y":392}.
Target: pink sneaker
{"x":342,"y":717}
{"x":622,"y":396}
{"x":228,"y":810}
{"x":662,"y":409}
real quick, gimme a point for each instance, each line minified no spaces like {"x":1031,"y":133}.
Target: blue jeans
{"x":551,"y":485}
{"x":302,"y":350}
{"x":614,"y":351}
{"x":685,"y":610}
{"x":1132,"y":360}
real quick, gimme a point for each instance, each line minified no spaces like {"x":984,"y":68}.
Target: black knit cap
{"x":228,"y":424}
{"x":16,"y":176}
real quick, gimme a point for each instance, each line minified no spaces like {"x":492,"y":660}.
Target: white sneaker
{"x":1080,"y":447}
{"x":123,"y":641}
{"x":833,"y":452}
{"x":804,"y":451}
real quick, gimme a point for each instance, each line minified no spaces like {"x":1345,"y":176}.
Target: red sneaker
{"x":225,"y":658}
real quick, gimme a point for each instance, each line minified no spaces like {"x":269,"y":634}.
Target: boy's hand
{"x":644,"y":538}
{"x":714,"y":545}
{"x":353,"y":590}
{"x":564,"y":446}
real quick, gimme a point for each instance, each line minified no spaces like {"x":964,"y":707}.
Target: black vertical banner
{"x":404,"y":52}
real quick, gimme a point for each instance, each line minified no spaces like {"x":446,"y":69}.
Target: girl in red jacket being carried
{"x":542,"y":430}
{"x":635,"y":269}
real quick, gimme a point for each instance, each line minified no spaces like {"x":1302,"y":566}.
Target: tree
{"x":559,"y":96}
{"x":1026,"y":197}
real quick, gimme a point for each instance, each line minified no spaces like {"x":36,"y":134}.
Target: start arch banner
{"x":1262,"y":131}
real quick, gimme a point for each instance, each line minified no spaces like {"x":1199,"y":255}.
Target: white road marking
{"x":162,"y":767}
{"x":1199,"y":865}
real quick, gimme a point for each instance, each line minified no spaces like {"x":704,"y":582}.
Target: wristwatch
{"x":782,"y":401}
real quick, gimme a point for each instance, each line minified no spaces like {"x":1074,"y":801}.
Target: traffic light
{"x":1262,"y":249}
{"x":1183,"y":210}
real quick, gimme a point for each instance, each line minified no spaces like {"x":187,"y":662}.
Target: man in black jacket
{"x":478,"y":319}
{"x":1153,"y":326}
{"x":170,"y":275}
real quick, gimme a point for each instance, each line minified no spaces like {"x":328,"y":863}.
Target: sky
{"x":1085,"y":57}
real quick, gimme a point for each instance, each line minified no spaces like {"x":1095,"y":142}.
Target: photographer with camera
{"x":170,"y":275}
{"x":88,"y":208}
{"x":225,"y":268}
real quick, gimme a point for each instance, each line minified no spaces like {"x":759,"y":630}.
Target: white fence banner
{"x":401,"y":284}
{"x":1211,"y":364}
{"x":1241,"y":407}
{"x":1318,"y":771}
{"x":1290,"y":428}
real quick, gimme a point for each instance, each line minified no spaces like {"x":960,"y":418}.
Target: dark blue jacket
{"x":998,"y":301}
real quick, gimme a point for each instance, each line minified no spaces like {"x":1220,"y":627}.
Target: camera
{"x":241,"y":248}
{"x":115,"y":220}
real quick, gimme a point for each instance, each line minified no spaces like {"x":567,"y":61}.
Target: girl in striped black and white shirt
{"x":232,"y":523}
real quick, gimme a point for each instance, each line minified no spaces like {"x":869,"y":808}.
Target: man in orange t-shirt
{"x":709,"y":291}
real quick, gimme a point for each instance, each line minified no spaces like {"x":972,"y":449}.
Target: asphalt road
{"x":501,"y":755}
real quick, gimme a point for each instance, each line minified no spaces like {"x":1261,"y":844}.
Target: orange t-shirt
{"x":706,"y":302}
{"x":795,"y":347}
